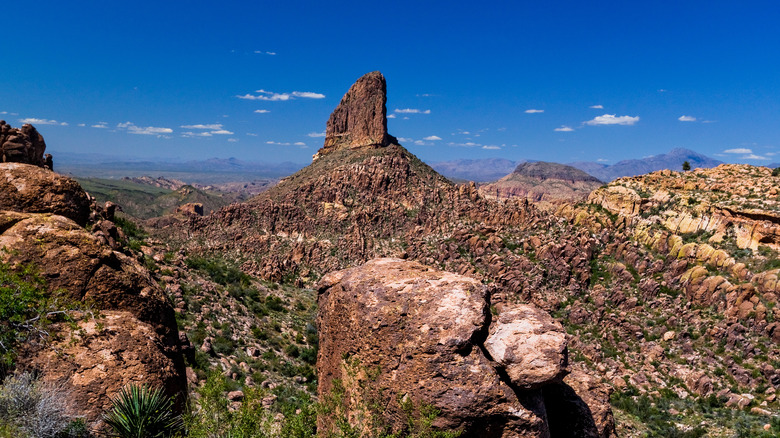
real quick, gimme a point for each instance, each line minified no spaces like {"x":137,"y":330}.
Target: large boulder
{"x":32,"y":189}
{"x":133,"y":337}
{"x":395,"y":333}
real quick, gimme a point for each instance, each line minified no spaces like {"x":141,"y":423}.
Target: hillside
{"x":542,"y":181}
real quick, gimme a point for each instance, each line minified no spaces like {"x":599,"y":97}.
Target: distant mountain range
{"x":672,"y":160}
{"x":488,"y":170}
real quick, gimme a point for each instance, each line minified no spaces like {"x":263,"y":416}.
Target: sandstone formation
{"x":32,"y":189}
{"x":360,"y":119}
{"x":542,"y":181}
{"x":393,"y":329}
{"x":23,"y":145}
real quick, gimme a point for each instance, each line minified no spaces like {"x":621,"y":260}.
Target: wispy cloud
{"x":196,"y":134}
{"x":412,"y":111}
{"x":211,"y":127}
{"x":262,"y":52}
{"x":233,"y":140}
{"x":148,"y":130}
{"x":468,"y":144}
{"x":221,"y":132}
{"x":35,"y":121}
{"x":596,"y":106}
{"x":281,"y":97}
{"x":491,"y":147}
{"x":685,"y":118}
{"x":738,"y":151}
{"x":100,"y":125}
{"x":391,"y":116}
{"x":754,"y":157}
{"x":533,"y":111}
{"x":262,"y":111}
{"x":251,"y":134}
{"x":316,"y":134}
{"x":612,"y":119}
{"x":564,"y":128}
{"x":602,"y":160}
{"x":286,"y":143}
{"x":432,"y":138}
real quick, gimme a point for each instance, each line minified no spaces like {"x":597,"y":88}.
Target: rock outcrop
{"x":360,"y":120}
{"x":23,"y":145}
{"x":393,"y":329}
{"x":32,"y":189}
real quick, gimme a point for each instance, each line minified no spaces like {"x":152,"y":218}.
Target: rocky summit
{"x":542,"y":181}
{"x":360,"y":120}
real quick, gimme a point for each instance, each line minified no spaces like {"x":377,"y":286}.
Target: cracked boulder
{"x":396,"y":334}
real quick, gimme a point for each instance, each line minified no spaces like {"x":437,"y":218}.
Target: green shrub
{"x":219,"y":271}
{"x":776,"y":171}
{"x":142,"y":412}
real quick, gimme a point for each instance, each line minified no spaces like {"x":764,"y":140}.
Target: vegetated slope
{"x":672,"y":160}
{"x":542,"y":181}
{"x":144,"y":201}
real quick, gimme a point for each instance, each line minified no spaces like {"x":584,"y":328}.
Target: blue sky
{"x":556,"y":81}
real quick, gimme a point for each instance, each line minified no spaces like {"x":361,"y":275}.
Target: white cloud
{"x":10,"y":114}
{"x":82,"y":124}
{"x":468,"y":144}
{"x":754,"y":157}
{"x":148,"y":130}
{"x":685,"y":118}
{"x":564,"y":128}
{"x":602,"y":160}
{"x":299,"y":143}
{"x":233,"y":140}
{"x":612,"y":119}
{"x":212,"y":127}
{"x":596,"y":106}
{"x":432,"y":138}
{"x":100,"y":125}
{"x":261,"y":52}
{"x":533,"y":111}
{"x":738,"y":151}
{"x":251,"y":134}
{"x":281,"y":97}
{"x":308,"y":95}
{"x":263,"y":111}
{"x":34,"y":121}
{"x":412,"y":111}
{"x":196,"y":134}
{"x":391,"y":116}
{"x":316,"y":134}
{"x":221,"y":132}
{"x":491,"y":147}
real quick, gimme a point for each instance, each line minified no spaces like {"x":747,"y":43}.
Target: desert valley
{"x":367,"y":295}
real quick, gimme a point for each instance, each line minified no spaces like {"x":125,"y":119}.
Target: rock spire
{"x":360,"y":120}
{"x":23,"y":145}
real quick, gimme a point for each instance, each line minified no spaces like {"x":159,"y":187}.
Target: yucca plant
{"x":141,"y":412}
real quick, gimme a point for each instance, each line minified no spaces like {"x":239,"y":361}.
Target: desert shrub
{"x":30,"y":408}
{"x":25,"y":311}
{"x":776,"y":171}
{"x":219,"y":271}
{"x":141,"y":412}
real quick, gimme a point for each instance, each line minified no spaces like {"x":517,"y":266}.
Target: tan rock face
{"x":32,"y":189}
{"x":392,"y":328}
{"x":530,"y":345}
{"x":361,"y":117}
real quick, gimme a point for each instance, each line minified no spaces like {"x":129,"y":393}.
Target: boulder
{"x":395,"y":333}
{"x":23,"y":145}
{"x":530,"y":345}
{"x":31,"y":189}
{"x":133,"y":339}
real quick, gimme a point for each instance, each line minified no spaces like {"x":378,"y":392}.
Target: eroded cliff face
{"x":360,"y":119}
{"x":393,"y":329}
